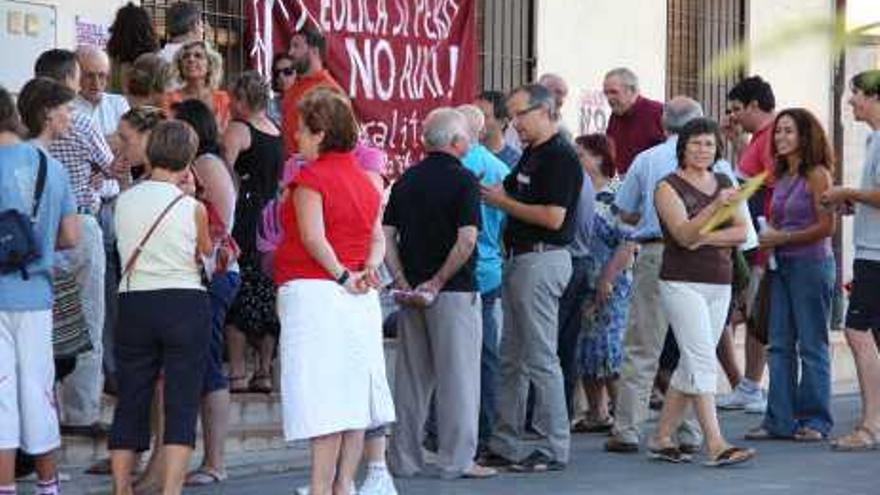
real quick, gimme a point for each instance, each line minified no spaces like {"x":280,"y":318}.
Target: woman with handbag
{"x":802,"y":283}
{"x":161,"y":233}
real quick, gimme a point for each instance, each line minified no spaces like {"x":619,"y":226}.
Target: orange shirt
{"x":292,"y":97}
{"x":221,"y":105}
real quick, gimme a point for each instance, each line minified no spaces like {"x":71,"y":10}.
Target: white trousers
{"x":81,"y":393}
{"x":28,"y":413}
{"x":697,"y":313}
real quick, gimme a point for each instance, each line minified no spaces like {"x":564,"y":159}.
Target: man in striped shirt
{"x":85,"y":154}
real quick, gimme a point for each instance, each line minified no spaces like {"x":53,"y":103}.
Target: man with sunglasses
{"x":540,"y":197}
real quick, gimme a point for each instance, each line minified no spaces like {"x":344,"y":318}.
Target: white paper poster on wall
{"x":91,"y":33}
{"x":593,"y":112}
{"x":26,"y":31}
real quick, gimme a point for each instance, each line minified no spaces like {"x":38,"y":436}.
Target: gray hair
{"x":475,"y":119}
{"x":87,"y":52}
{"x":442,"y":127}
{"x":539,"y":96}
{"x":678,"y":111}
{"x":626,"y":76}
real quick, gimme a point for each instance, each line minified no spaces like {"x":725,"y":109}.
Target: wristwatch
{"x":343,"y":278}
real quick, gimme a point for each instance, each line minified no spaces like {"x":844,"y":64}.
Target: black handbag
{"x":18,"y":244}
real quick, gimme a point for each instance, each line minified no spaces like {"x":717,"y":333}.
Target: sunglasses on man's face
{"x":286,"y":72}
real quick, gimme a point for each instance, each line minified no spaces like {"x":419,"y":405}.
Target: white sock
{"x":748,"y":385}
{"x":7,"y":489}
{"x":379,"y":465}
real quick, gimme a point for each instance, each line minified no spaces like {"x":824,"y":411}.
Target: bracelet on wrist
{"x":343,"y":277}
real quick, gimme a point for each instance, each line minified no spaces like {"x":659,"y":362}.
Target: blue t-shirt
{"x":490,"y":170}
{"x":19,"y":164}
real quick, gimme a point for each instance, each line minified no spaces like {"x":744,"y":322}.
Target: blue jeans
{"x":800,"y":307}
{"x":222,"y":291}
{"x":488,"y":364}
{"x":570,"y":311}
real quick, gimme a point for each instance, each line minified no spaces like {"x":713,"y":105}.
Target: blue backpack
{"x":18,"y":244}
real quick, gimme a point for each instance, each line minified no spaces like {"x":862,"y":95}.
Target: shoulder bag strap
{"x":41,"y":184}
{"x":129,"y":265}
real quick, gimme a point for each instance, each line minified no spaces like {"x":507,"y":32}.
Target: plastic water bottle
{"x":771,"y":259}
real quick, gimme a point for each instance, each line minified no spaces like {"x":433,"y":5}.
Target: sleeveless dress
{"x":258,"y":167}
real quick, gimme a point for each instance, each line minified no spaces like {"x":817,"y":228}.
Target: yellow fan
{"x":725,"y":213}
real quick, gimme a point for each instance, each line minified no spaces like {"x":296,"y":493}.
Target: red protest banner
{"x":396,"y":59}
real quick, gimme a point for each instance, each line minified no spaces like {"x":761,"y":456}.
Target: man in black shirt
{"x":540,"y":196}
{"x":431,"y":225}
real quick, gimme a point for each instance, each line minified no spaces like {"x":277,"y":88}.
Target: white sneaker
{"x":378,"y":482}
{"x":758,"y":405}
{"x":304,"y":490}
{"x":738,"y":399}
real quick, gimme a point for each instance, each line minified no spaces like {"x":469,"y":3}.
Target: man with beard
{"x":307,"y":49}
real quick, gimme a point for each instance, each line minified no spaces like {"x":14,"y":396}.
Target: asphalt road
{"x":780,"y":468}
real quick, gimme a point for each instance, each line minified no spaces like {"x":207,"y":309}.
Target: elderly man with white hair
{"x":431,"y":224}
{"x":490,"y":171}
{"x":105,"y":110}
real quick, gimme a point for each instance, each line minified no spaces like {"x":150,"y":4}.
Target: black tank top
{"x":259,"y":170}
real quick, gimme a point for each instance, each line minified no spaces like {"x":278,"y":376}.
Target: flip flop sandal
{"x":203,"y":476}
{"x":261,"y":384}
{"x":861,"y":439}
{"x":731,"y":457}
{"x":808,"y":435}
{"x":668,"y":454}
{"x":761,"y":433}
{"x":233,"y":389}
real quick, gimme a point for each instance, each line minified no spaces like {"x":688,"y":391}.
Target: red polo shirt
{"x":635,"y":131}
{"x":756,"y":157}
{"x":292,"y":97}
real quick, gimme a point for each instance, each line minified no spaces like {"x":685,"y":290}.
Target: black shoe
{"x":493,"y":460}
{"x":537,"y":462}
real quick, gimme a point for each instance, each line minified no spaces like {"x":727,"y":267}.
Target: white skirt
{"x":332,"y":360}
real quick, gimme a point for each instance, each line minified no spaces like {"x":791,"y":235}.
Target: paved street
{"x":781,"y":467}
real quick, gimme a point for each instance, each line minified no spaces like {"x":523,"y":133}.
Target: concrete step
{"x":82,"y":451}
{"x":244,"y":409}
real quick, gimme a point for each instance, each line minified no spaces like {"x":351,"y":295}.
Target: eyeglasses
{"x":523,"y":113}
{"x":286,"y":72}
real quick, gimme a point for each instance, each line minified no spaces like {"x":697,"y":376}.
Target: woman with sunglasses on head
{"x":200,"y":70}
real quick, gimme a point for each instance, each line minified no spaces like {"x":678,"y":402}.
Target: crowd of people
{"x":544,"y":284}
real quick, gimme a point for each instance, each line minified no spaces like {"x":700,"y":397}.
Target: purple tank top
{"x":793,"y":209}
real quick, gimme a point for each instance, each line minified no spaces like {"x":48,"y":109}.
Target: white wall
{"x":582,"y":39}
{"x":800,"y":71}
{"x":98,"y":11}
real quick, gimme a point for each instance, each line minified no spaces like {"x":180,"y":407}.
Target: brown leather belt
{"x":538,"y":247}
{"x":652,"y":240}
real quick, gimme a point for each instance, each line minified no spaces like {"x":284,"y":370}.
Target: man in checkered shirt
{"x":87,"y":157}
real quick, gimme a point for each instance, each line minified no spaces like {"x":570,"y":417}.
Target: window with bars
{"x":697,"y":32}
{"x":506,"y":40}
{"x":224,"y":27}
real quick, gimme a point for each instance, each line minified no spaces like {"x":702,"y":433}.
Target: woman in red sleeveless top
{"x":333,"y":383}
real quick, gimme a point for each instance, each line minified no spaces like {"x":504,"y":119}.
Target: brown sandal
{"x":861,"y":439}
{"x":808,"y":435}
{"x":261,"y":383}
{"x":238,"y":384}
{"x":730,"y":457}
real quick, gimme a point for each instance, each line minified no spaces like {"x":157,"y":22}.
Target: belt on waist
{"x":537,"y":247}
{"x":650,"y":240}
{"x":85,"y":210}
